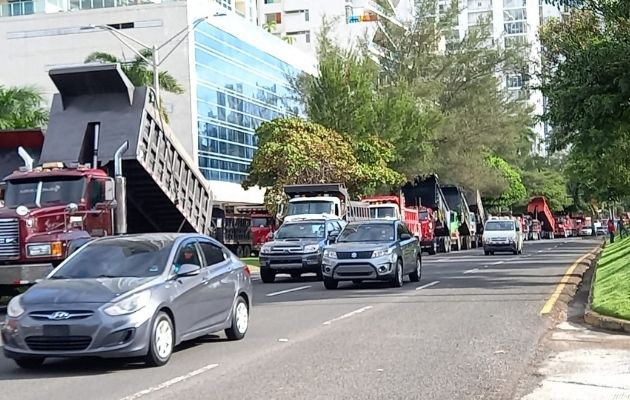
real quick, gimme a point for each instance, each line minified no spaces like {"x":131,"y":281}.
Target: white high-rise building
{"x":353,"y":20}
{"x":514,"y":21}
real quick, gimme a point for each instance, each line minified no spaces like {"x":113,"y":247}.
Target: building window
{"x":275,"y":17}
{"x":307,"y":35}
{"x":514,"y":41}
{"x":514,"y":3}
{"x":518,"y":14}
{"x":514,"y":81}
{"x":515,"y":27}
{"x":306,"y":16}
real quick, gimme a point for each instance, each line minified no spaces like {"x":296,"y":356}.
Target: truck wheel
{"x":465,"y":244}
{"x":330,"y":284}
{"x":487,"y":253}
{"x":267,"y":275}
{"x":433,"y":248}
{"x":239,"y":252}
{"x":247,"y":251}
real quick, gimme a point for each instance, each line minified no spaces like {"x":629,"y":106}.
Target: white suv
{"x":502,"y":234}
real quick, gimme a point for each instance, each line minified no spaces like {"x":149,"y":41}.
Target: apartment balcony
{"x":18,"y":8}
{"x":293,"y":5}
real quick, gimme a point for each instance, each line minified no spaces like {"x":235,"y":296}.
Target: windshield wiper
{"x":108,"y":276}
{"x":58,"y":277}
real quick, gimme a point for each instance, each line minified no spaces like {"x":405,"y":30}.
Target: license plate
{"x":56,"y":330}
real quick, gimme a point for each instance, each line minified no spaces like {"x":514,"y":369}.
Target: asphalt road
{"x":468,"y":330}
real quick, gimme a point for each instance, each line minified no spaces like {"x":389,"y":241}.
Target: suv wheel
{"x":330,"y":284}
{"x":267,"y":275}
{"x":397,"y":279}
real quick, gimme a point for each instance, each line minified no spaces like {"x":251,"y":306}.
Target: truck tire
{"x":433,"y":249}
{"x":267,"y":275}
{"x":239,"y":251}
{"x":247,"y":251}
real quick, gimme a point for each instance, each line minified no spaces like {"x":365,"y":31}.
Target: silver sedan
{"x":130,"y":296}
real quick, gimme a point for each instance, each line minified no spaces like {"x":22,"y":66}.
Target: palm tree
{"x":288,"y":39}
{"x":270,"y":26}
{"x":140,"y":73}
{"x":21,"y":108}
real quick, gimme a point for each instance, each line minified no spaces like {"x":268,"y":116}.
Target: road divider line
{"x":295,"y":289}
{"x":427,"y":285}
{"x":497,"y":263}
{"x":348,"y":315}
{"x":471,"y":271}
{"x":563,"y":282}
{"x":170,"y":382}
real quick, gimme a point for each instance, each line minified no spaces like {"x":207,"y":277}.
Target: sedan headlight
{"x":311,"y":248}
{"x":382,"y":252}
{"x":130,"y":304}
{"x":330,"y":254}
{"x":15,"y":309}
{"x":265,"y":249}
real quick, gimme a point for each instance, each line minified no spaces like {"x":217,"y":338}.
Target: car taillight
{"x":248,"y":273}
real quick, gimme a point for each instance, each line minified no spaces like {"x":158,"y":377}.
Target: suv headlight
{"x":330,"y":254}
{"x":130,"y":304}
{"x":15,"y":309}
{"x":382,"y":252}
{"x":265,"y":249}
{"x":311,"y":248}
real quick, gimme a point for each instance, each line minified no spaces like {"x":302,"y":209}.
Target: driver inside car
{"x":186,"y":256}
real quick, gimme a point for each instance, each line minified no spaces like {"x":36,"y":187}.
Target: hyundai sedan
{"x":130,"y":296}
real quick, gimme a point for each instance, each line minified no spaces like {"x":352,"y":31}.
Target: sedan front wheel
{"x":162,"y":340}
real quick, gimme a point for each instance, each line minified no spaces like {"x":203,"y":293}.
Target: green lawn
{"x":611,"y":294}
{"x":251,"y":261}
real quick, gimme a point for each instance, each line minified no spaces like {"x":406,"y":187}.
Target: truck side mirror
{"x":219,"y":223}
{"x":110,"y":190}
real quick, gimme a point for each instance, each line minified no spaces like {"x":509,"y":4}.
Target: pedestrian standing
{"x":611,"y":230}
{"x":621,"y":228}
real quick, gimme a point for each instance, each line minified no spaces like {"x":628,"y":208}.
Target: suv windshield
{"x":50,"y":192}
{"x":367,"y":233}
{"x":117,"y":258}
{"x":310,"y":207}
{"x":302,"y":230}
{"x":382,"y":212}
{"x":500,"y":226}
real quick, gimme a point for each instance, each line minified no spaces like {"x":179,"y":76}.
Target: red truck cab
{"x":427,"y":226}
{"x":263,"y":225}
{"x":48,"y":211}
{"x":393,"y":207}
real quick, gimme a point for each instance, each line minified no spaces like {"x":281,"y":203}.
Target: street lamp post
{"x":155,"y":60}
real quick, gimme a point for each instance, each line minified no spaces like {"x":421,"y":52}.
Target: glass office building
{"x":238,"y":87}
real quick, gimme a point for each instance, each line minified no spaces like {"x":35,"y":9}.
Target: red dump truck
{"x":394,"y":207}
{"x":539,"y":209}
{"x":263,"y":225}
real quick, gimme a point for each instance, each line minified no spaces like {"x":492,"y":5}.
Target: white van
{"x":502,"y":234}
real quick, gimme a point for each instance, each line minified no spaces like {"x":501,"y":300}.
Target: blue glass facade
{"x":238,"y":87}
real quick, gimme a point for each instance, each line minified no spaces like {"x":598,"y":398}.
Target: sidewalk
{"x":583,"y":363}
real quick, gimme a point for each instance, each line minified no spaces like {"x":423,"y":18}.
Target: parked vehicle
{"x":478,"y":216}
{"x":263,"y":225}
{"x":297,"y":247}
{"x":233,"y":230}
{"x":535,"y":230}
{"x":565,"y":226}
{"x":587,"y":230}
{"x":125,"y":296}
{"x":72,"y":197}
{"x":539,"y":209}
{"x":330,"y":199}
{"x":502,"y":234}
{"x":373,"y":250}
{"x":435,"y":214}
{"x":393,"y":207}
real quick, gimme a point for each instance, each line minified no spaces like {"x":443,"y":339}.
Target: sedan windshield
{"x":117,"y":258}
{"x":500,"y":226}
{"x":305,"y":230}
{"x":42,"y":193}
{"x":367,"y":233}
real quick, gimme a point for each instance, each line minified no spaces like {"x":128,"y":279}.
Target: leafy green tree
{"x":294,"y":151}
{"x":140,"y":73}
{"x":21,"y":108}
{"x":515,"y":191}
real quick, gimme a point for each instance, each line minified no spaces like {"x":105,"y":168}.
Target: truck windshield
{"x":500,"y":226}
{"x":50,"y":192}
{"x":304,"y":230}
{"x":311,"y":207}
{"x":382,"y":212}
{"x":424,"y":215}
{"x":258,"y":222}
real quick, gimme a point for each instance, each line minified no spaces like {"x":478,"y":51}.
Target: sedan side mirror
{"x":188,"y":270}
{"x":405,"y":236}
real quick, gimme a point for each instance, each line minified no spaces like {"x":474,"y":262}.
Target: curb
{"x":598,"y":320}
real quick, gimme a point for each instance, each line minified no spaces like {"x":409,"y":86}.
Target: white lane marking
{"x":540,"y":251}
{"x":497,"y":263}
{"x":428,"y":285}
{"x":471,"y":271}
{"x":170,"y":382}
{"x":255,"y":279}
{"x":295,"y":289}
{"x":347,"y":315}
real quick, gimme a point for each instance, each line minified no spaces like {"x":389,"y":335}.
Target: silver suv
{"x":380,"y":250}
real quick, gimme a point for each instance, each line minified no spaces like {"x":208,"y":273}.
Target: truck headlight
{"x":382,"y":252}
{"x":130,"y":304}
{"x":54,"y":249}
{"x":330,"y":254}
{"x":311,"y":248}
{"x":265,"y":249}
{"x":15,"y":309}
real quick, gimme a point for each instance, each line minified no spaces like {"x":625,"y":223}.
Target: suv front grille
{"x":9,"y":238}
{"x":359,"y":254}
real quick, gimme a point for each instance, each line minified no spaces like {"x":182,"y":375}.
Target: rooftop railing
{"x":17,"y":8}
